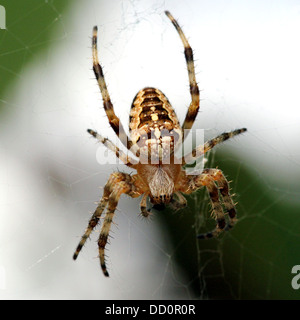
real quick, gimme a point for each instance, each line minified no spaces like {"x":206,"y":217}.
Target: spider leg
{"x":179,"y":203}
{"x":93,"y":221}
{"x":194,"y":90}
{"x":114,"y":121}
{"x":143,"y":206}
{"x":224,"y":190}
{"x":119,"y":188}
{"x":200,"y":150}
{"x":113,"y":180}
{"x":119,"y":153}
{"x":207,"y":180}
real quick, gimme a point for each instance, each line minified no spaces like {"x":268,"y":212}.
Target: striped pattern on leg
{"x":114,"y":121}
{"x":217,"y":210}
{"x":92,"y":224}
{"x":119,"y":153}
{"x":121,"y":187}
{"x":201,"y":150}
{"x":194,"y":90}
{"x":143,"y":205}
{"x":113,"y":180}
{"x":224,"y":190}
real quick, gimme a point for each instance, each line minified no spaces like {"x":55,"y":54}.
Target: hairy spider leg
{"x":194,"y":90}
{"x":218,"y":213}
{"x":117,"y":184}
{"x":130,"y":162}
{"x":114,"y":121}
{"x":143,"y":206}
{"x":202,"y":149}
{"x":223,"y":184}
{"x":119,"y":188}
{"x":93,"y":221}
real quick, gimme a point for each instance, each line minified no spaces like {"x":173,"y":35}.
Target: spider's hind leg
{"x":114,"y":121}
{"x":194,"y":90}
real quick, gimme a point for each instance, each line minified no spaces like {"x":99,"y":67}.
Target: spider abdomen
{"x":154,"y":126}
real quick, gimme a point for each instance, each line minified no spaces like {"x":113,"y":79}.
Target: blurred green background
{"x":29,"y":31}
{"x":254,"y":260}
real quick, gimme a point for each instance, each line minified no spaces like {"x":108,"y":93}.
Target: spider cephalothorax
{"x":155,"y":135}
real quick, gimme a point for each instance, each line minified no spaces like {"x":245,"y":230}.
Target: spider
{"x":155,"y":134}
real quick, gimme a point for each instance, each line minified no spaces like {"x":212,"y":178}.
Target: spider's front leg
{"x":223,"y":184}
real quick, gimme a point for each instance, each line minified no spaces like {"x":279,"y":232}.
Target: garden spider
{"x":155,"y":134}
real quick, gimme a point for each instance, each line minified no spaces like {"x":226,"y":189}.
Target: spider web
{"x":50,"y":176}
